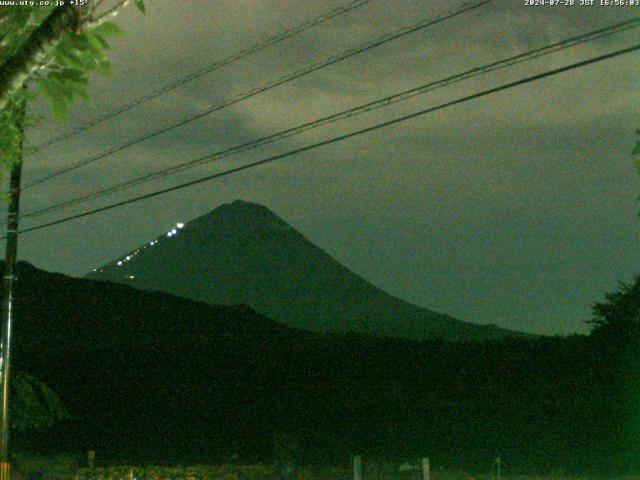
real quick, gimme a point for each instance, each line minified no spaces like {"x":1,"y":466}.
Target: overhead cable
{"x":234,"y":57}
{"x":268,"y":86}
{"x":339,"y":138}
{"x":367,"y":107}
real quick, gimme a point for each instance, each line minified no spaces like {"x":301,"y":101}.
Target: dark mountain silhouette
{"x":71,"y":313}
{"x":149,"y":377}
{"x":146,"y":376}
{"x":242,"y":253}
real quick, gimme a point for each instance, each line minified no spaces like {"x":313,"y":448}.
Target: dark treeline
{"x":151,"y":378}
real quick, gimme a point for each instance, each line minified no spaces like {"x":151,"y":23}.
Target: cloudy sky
{"x":518,"y":209}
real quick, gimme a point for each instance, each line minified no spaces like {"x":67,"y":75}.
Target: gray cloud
{"x":518,"y":209}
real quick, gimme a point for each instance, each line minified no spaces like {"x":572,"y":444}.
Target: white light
{"x":169,"y":234}
{"x":120,"y":263}
{"x":174,"y":231}
{"x":180,"y":225}
{"x":131,"y":277}
{"x":151,"y":244}
{"x":128,"y":257}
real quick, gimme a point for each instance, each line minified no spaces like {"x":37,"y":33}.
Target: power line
{"x":280,"y":81}
{"x":378,"y":126}
{"x":268,"y":86}
{"x":275,"y":39}
{"x":405,"y":95}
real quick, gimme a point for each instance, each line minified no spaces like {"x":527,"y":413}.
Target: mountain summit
{"x":242,"y":253}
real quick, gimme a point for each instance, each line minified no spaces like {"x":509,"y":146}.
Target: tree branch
{"x":112,"y":12}
{"x":17,"y":69}
{"x":63,"y":20}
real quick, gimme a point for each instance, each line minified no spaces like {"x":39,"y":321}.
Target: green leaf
{"x":43,"y":87}
{"x":107,"y":30}
{"x":67,"y":56}
{"x":60,"y":108}
{"x":59,"y":98}
{"x":74,"y":75}
{"x":78,"y":88}
{"x":69,"y":83}
{"x":78,"y":40}
{"x":97,"y":41}
{"x":101,"y":64}
{"x":140,"y":5}
{"x":61,"y":91}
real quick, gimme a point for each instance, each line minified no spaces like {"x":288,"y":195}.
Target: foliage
{"x":621,"y":310}
{"x":61,"y":78}
{"x":196,"y":472}
{"x":11,"y":129}
{"x":56,"y":467}
{"x":34,"y":404}
{"x":63,"y":75}
{"x":17,"y":25}
{"x":77,"y":54}
{"x":153,"y":378}
{"x":287,"y":451}
{"x":267,"y":472}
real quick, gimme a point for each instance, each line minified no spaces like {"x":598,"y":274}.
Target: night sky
{"x":518,"y":209}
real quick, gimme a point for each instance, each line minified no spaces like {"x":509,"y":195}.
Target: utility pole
{"x":11,"y":251}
